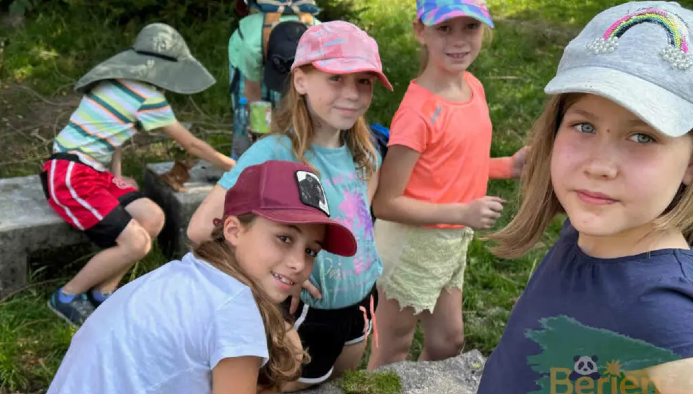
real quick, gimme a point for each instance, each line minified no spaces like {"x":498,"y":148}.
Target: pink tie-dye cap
{"x":339,"y":47}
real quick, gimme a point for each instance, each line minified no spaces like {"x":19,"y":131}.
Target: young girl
{"x":211,"y":322}
{"x":612,"y":302}
{"x":122,"y":95}
{"x":433,"y":187}
{"x":321,"y":123}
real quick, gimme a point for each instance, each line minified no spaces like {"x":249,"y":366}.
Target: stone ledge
{"x":27,"y":225}
{"x":178,"y":206}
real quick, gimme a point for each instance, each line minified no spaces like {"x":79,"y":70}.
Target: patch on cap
{"x":676,"y":52}
{"x":311,"y":191}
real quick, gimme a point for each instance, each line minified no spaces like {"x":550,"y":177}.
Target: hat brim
{"x":663,"y":110}
{"x":345,"y":65}
{"x":441,"y":14}
{"x":338,"y":240}
{"x":184,"y":76}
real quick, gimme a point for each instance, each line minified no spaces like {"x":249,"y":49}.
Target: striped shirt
{"x":109,"y":115}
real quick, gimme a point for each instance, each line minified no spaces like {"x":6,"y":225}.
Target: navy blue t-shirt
{"x":584,"y":322}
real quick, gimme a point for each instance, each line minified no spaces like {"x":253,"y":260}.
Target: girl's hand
{"x":308,"y":285}
{"x":519,"y":159}
{"x":482,"y":213}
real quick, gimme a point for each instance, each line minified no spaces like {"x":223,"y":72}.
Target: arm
{"x":675,"y":377}
{"x":201,"y":226}
{"x":508,"y":167}
{"x":253,"y":90}
{"x":389,"y":203}
{"x":236,"y":375}
{"x":197,"y":147}
{"x":116,"y":161}
{"x":373,"y":185}
{"x":501,"y":168}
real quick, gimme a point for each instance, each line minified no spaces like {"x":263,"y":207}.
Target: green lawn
{"x":49,"y":54}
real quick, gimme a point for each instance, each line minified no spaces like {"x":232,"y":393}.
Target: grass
{"x":363,"y":382}
{"x":49,"y":54}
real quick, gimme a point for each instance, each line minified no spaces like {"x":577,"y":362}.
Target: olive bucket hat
{"x":160,"y":57}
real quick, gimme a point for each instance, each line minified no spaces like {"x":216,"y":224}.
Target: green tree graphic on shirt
{"x":564,"y":338}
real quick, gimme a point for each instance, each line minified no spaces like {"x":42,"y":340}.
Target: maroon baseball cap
{"x":291,"y":193}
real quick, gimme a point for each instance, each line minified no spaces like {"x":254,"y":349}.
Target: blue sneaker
{"x":97,"y":298}
{"x":73,"y":308}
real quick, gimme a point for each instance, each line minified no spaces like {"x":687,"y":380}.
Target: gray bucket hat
{"x":638,"y":55}
{"x":160,"y":57}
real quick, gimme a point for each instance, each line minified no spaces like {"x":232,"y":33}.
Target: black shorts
{"x":325,"y":332}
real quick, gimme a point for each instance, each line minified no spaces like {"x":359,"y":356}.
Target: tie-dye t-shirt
{"x":343,"y":281}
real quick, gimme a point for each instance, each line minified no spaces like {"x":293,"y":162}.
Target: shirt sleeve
{"x":272,"y":147}
{"x":662,"y":310}
{"x":409,"y":129}
{"x":155,"y":112}
{"x":237,"y":330}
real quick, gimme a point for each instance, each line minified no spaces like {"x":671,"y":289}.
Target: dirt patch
{"x":28,"y":123}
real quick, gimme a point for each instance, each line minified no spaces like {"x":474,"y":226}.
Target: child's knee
{"x":446,"y":341}
{"x":154,"y":221}
{"x":135,"y":240}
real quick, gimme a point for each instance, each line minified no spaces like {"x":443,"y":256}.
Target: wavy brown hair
{"x":285,"y":360}
{"x":539,"y":202}
{"x":293,"y":120}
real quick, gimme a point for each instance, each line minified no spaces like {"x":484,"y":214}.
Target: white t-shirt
{"x":164,"y":332}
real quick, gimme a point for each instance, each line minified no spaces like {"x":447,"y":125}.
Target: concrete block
{"x":27,"y":224}
{"x":178,"y":206}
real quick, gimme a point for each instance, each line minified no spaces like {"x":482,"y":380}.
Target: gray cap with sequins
{"x":638,"y":55}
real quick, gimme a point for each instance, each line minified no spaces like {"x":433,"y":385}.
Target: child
{"x":122,"y":95}
{"x":433,"y":187}
{"x":211,"y":322}
{"x":612,"y":301}
{"x":261,"y":52}
{"x":321,"y":123}
{"x":258,"y":69}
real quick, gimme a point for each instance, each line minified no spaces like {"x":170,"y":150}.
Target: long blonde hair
{"x":293,"y":120}
{"x":539,"y":202}
{"x":284,"y":363}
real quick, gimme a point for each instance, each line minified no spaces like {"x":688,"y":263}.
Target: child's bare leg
{"x":444,"y":328}
{"x":151,"y":218}
{"x":349,"y":359}
{"x":132,"y":244}
{"x":395,"y":332}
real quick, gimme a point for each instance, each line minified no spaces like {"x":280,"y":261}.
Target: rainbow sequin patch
{"x":676,"y":51}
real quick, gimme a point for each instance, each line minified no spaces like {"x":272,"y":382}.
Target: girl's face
{"x":612,"y":172}
{"x":337,"y":101}
{"x":453,"y":44}
{"x":279,"y":257}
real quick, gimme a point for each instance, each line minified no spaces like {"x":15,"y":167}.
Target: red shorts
{"x":91,"y":201}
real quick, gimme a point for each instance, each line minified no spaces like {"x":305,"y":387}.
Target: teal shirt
{"x":343,"y":281}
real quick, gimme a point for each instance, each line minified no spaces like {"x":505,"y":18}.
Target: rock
{"x":457,"y":375}
{"x":178,"y":205}
{"x":27,"y":225}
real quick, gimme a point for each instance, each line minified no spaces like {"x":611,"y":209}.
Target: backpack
{"x":381,"y":136}
{"x":274,"y":9}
